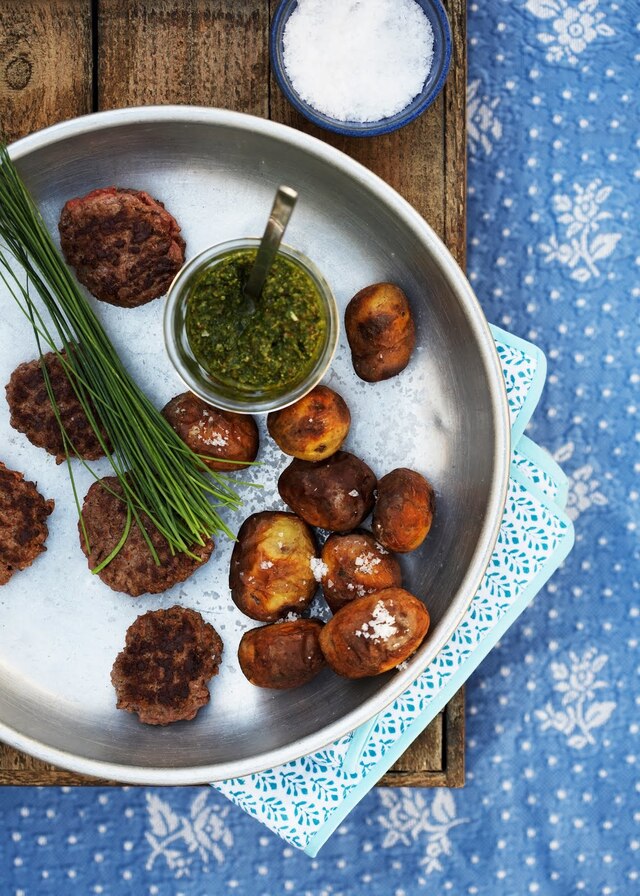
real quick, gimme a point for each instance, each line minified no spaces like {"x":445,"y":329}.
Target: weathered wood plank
{"x":436,"y":758}
{"x":455,"y":136}
{"x":184,"y":51}
{"x":427,"y":752}
{"x":45,"y":63}
{"x":411,"y":160}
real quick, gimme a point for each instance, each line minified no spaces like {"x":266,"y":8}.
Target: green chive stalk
{"x":159,"y":475}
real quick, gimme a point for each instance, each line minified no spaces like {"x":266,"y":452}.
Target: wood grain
{"x":455,"y":137}
{"x":436,"y":757}
{"x":216,"y":54}
{"x":45,"y":63}
{"x":184,"y":51}
{"x":410,"y":160}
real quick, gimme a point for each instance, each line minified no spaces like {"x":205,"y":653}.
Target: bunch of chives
{"x":159,"y":475}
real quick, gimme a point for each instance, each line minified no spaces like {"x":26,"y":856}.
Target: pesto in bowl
{"x":272,"y":346}
{"x":244,"y":359}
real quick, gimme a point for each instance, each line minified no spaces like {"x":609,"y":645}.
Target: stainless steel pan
{"x":445,"y":415}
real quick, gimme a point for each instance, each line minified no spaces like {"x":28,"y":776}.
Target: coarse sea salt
{"x":319,"y":568}
{"x":216,"y":441}
{"x":381,"y":626}
{"x":290,"y":617}
{"x":358,"y":60}
{"x":367,"y":562}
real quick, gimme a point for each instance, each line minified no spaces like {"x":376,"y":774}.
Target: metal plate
{"x":445,"y":415}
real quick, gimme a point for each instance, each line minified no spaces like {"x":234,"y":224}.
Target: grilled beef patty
{"x":23,"y":526}
{"x":168,"y":658}
{"x":33,"y":414}
{"x":133,"y":570}
{"x":124,"y":245}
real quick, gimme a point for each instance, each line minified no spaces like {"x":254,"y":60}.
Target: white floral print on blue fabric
{"x":483,"y":124}
{"x":573,"y":27}
{"x":581,"y":711}
{"x":180,"y":840}
{"x":410,"y":818}
{"x":584,"y":486}
{"x":584,"y":244}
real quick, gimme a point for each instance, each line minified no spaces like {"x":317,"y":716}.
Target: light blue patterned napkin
{"x":305,"y":800}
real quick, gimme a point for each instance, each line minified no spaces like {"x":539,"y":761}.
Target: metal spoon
{"x":283,"y":206}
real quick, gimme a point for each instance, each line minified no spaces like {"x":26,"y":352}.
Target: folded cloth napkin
{"x":305,"y":800}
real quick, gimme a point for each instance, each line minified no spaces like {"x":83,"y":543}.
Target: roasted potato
{"x":404,"y":510}
{"x":380,"y":331}
{"x":271,"y":572}
{"x":226,"y":440}
{"x":336,"y":493}
{"x":313,"y":427}
{"x":282,"y":655}
{"x":355,"y":565}
{"x":373,"y":634}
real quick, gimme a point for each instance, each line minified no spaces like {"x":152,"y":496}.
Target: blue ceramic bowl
{"x":434,"y":83}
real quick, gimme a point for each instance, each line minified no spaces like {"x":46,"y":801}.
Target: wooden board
{"x":45,"y":63}
{"x":62,"y":58}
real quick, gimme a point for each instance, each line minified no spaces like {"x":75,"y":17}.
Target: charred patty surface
{"x":168,"y":658}
{"x":124,"y":245}
{"x":23,"y":522}
{"x":33,"y":415}
{"x":133,"y":570}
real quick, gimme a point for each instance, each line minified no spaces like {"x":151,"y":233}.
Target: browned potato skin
{"x":270,"y":572}
{"x":202,"y":426}
{"x":320,"y":492}
{"x":313,"y":427}
{"x":282,"y":655}
{"x":356,"y":566}
{"x":404,"y":510}
{"x":384,"y":364}
{"x":355,"y":656}
{"x":380,"y":331}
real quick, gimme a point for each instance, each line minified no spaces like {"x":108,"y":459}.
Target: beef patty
{"x":124,"y":245}
{"x":23,"y":526}
{"x":133,"y":570}
{"x":33,"y":415}
{"x":168,"y":658}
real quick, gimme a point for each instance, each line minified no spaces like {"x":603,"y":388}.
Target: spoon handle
{"x":283,"y":205}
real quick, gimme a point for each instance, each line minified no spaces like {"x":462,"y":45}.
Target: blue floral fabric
{"x":552,"y":800}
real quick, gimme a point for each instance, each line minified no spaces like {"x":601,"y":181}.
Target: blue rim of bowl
{"x":348,"y":129}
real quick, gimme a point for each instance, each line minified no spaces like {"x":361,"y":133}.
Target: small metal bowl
{"x":199,"y":380}
{"x":435,"y":13}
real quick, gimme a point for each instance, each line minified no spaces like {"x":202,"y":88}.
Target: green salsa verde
{"x":272,"y":348}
